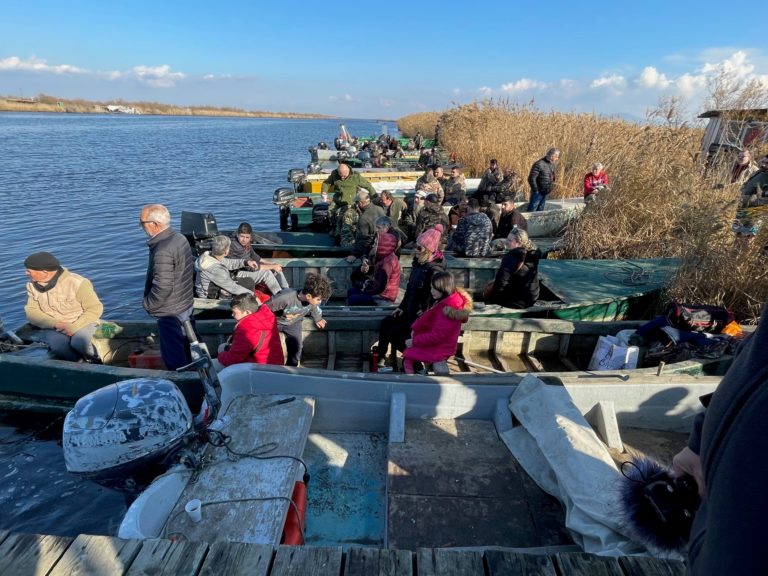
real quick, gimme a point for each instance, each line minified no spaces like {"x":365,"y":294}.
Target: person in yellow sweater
{"x":64,"y":305}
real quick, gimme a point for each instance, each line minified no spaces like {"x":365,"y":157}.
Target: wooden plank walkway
{"x":38,"y":555}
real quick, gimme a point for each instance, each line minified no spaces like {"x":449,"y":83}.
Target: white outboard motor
{"x":121,"y":436}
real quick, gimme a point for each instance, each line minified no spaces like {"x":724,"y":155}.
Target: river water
{"x":73,"y":185}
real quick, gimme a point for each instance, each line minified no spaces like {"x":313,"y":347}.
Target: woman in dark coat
{"x":517,"y":281}
{"x":396,"y":329}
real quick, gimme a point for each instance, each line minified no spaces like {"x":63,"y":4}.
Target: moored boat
{"x":492,"y":347}
{"x":597,"y":290}
{"x":399,"y":462}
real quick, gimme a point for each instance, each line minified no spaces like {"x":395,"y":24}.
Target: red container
{"x":149,"y":358}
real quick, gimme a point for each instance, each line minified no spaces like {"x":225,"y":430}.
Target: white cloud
{"x":522,"y":85}
{"x":386,"y":103}
{"x":157,"y":76}
{"x":485,"y":91}
{"x":33,"y":64}
{"x":456,"y":91}
{"x":652,"y":78}
{"x":614,"y":81}
{"x":344,"y":98}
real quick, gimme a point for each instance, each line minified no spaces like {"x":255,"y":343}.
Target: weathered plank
{"x":378,"y":562}
{"x":246,"y":498}
{"x":574,"y":563}
{"x":651,"y":566}
{"x":97,"y":555}
{"x":307,"y":561}
{"x":30,"y":553}
{"x":166,"y":557}
{"x":458,"y":472}
{"x":235,"y":558}
{"x":507,"y":563}
{"x":441,"y":562}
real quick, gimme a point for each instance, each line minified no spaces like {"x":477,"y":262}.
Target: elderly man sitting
{"x":64,"y":305}
{"x":213,"y":273}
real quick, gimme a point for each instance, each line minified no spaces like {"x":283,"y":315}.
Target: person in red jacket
{"x":595,"y":181}
{"x":256,"y":338}
{"x":435,"y":334}
{"x":382,"y":287}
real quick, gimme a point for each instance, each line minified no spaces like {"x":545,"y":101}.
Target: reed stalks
{"x":660,"y":202}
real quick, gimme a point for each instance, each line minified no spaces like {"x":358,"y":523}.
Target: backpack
{"x":699,"y":317}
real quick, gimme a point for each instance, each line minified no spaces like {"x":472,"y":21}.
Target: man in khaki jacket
{"x":64,"y":305}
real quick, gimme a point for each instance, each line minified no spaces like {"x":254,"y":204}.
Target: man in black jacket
{"x":169,"y":287}
{"x":542,"y":179}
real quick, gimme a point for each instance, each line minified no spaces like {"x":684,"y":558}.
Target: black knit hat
{"x":42,"y":261}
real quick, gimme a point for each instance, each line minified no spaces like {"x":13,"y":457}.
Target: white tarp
{"x":564,"y":456}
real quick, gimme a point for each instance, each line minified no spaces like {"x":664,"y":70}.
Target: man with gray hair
{"x":213,"y":273}
{"x":541,"y":179}
{"x":168,"y":289}
{"x":366,"y":224}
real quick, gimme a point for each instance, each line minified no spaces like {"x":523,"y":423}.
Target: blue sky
{"x":378,"y":60}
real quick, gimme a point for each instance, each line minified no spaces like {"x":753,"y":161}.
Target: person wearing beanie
{"x":64,"y":305}
{"x":382,"y":287}
{"x":396,"y":329}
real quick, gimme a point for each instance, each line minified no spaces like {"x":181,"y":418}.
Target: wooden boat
{"x":489,"y":346}
{"x":597,"y":290}
{"x":397,"y":462}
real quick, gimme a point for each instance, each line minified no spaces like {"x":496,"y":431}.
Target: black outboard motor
{"x":321,"y":221}
{"x":199,"y":230}
{"x":284,"y":197}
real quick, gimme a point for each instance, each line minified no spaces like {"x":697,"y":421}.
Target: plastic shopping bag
{"x":611,"y":354}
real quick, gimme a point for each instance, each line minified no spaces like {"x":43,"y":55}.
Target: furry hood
{"x":458,"y":306}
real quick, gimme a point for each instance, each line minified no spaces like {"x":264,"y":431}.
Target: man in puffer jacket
{"x":169,"y":286}
{"x":542,"y":179}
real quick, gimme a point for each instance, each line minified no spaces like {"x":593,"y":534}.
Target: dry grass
{"x":45,"y":103}
{"x":424,"y":122}
{"x":660,"y":204}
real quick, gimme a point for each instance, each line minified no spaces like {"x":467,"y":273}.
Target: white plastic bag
{"x":610,"y":354}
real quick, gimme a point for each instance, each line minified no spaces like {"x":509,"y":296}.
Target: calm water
{"x":73,"y":185}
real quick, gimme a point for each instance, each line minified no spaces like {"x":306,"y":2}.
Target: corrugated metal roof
{"x":715,"y":113}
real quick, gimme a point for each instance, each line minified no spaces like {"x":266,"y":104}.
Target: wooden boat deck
{"x":27,"y":554}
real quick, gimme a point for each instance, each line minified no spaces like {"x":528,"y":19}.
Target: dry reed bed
{"x":659,"y":205}
{"x":46,"y":103}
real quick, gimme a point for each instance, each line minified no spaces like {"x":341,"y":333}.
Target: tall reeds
{"x":660,"y":203}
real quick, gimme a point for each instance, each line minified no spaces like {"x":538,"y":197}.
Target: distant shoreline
{"x":44,"y":103}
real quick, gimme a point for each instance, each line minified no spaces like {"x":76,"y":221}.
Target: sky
{"x":380,"y":60}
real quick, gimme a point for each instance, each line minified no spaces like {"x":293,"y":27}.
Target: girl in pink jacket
{"x":435,"y":334}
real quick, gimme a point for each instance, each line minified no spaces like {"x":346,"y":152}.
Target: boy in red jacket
{"x":256,"y":338}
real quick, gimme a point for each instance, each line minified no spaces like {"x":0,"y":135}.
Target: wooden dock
{"x":35,"y":554}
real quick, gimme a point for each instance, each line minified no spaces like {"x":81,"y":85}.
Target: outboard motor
{"x":121,"y":436}
{"x":199,"y":230}
{"x":320,"y":219}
